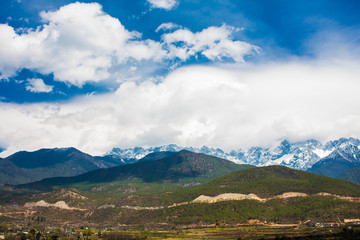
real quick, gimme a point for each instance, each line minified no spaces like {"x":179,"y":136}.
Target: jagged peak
{"x":299,"y":155}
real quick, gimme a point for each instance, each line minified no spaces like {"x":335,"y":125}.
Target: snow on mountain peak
{"x":298,"y":155}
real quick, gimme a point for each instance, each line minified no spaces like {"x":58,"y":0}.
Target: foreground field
{"x":251,"y":232}
{"x":240,"y":232}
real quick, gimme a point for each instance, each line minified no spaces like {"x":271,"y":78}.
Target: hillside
{"x":183,"y":168}
{"x":268,"y":182}
{"x":11,"y":174}
{"x":156,"y":156}
{"x":24,"y":167}
{"x":352,"y":175}
{"x":107,"y":206}
{"x":265,"y":182}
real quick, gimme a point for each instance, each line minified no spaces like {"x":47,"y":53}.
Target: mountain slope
{"x":352,"y":175}
{"x":50,"y":158}
{"x":346,"y":156}
{"x":156,"y":156}
{"x":268,"y":182}
{"x":182,"y":167}
{"x":156,"y":208}
{"x":10,"y":173}
{"x":113,"y":160}
{"x":23,"y":166}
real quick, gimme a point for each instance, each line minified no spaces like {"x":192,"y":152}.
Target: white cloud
{"x":78,"y":43}
{"x":37,"y":85}
{"x":229,"y":107}
{"x":164,"y":4}
{"x":167,"y":26}
{"x":215,"y":43}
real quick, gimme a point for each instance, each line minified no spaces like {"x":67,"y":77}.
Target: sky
{"x":229,"y":74}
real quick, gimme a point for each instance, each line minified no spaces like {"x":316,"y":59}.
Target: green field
{"x":215,"y":233}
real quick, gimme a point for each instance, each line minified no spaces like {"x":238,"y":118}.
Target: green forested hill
{"x":122,"y":189}
{"x":181,"y":168}
{"x":352,"y":175}
{"x":268,"y":182}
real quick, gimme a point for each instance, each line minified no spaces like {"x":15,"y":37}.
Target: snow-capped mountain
{"x":345,"y":156}
{"x":139,"y":152}
{"x":299,"y":155}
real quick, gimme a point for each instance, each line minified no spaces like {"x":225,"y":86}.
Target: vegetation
{"x":181,"y":168}
{"x":352,"y":175}
{"x":240,"y":232}
{"x":268,"y":182}
{"x":24,"y":167}
{"x":119,"y":197}
{"x":294,"y":210}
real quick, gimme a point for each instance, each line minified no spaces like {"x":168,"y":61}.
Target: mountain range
{"x":330,"y":159}
{"x":176,"y":188}
{"x":339,"y":158}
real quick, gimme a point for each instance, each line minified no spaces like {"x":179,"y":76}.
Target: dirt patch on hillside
{"x":237,"y":196}
{"x":226,"y":197}
{"x":59,"y":204}
{"x":350,"y":199}
{"x":106,"y":206}
{"x":291,"y":195}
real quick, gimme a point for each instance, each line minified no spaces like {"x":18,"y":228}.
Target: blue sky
{"x":282,"y":29}
{"x":106,"y":74}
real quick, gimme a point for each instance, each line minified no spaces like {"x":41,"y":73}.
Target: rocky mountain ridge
{"x":299,"y":155}
{"x":330,"y":159}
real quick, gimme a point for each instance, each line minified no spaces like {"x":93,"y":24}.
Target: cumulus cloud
{"x":167,"y":26}
{"x":229,"y":107}
{"x":80,"y":43}
{"x":164,"y":4}
{"x":77,"y":43}
{"x":37,"y":85}
{"x":215,"y":43}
